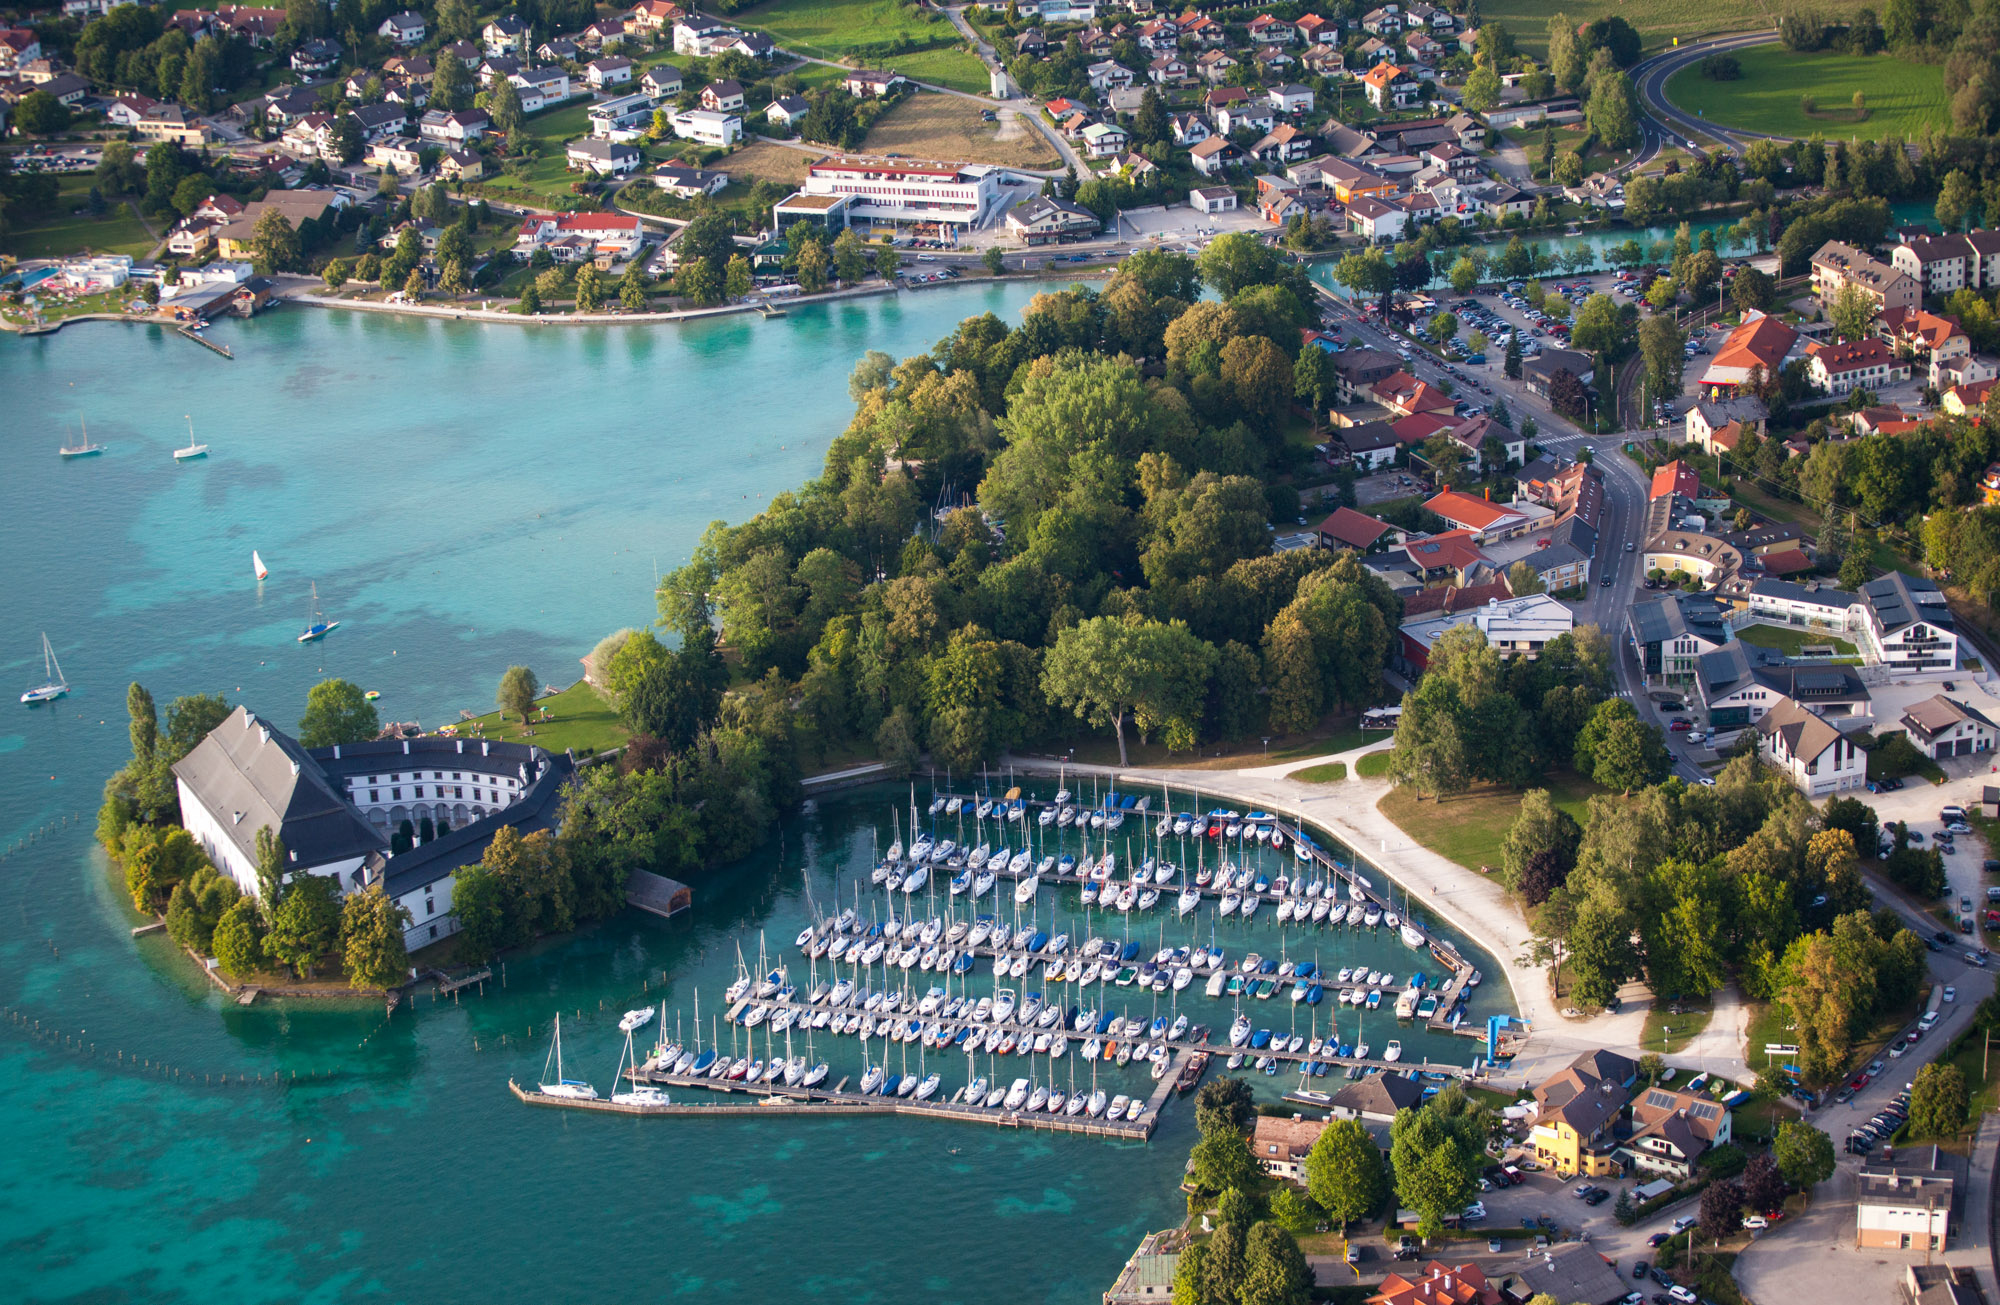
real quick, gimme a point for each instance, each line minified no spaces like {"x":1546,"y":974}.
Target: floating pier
{"x":776,"y":1098}
{"x":1449,"y":993}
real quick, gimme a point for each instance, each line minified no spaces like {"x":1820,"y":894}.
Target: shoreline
{"x":1485,"y":927}
{"x":449,"y":312}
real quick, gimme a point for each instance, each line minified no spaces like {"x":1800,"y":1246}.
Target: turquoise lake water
{"x":466,"y":497}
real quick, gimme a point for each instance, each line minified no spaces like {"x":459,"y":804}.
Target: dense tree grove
{"x":1693,"y":887}
{"x":1025,"y":528}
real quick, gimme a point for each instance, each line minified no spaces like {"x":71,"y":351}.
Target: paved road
{"x":1625,"y":496}
{"x":1665,"y":125}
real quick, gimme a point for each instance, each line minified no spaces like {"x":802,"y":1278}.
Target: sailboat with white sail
{"x":53,"y":685}
{"x":257,"y":565}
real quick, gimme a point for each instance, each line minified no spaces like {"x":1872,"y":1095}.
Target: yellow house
{"x":1577,"y":1110}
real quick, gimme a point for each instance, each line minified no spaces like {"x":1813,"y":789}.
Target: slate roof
{"x":248,"y":774}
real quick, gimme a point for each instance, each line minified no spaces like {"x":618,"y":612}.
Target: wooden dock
{"x":736,"y":1013}
{"x":206,"y":343}
{"x":775,"y":1098}
{"x":1339,"y":873}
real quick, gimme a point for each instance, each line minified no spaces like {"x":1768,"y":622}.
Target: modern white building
{"x":1811,"y":606}
{"x":1906,"y":625}
{"x":709,"y":127}
{"x":898,"y":191}
{"x":336,"y":809}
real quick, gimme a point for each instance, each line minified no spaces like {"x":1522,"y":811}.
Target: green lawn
{"x":1471,"y":827}
{"x":579,"y":717}
{"x":1901,"y":97}
{"x":1789,"y":639}
{"x":955,"y":68}
{"x":548,"y":180}
{"x":1373,"y":765}
{"x":835,"y":29}
{"x":61,"y":231}
{"x":1658,"y":23}
{"x":1331,"y":773}
{"x":1668,"y":1033}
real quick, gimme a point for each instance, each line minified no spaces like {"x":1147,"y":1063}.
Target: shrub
{"x":1721,"y":68}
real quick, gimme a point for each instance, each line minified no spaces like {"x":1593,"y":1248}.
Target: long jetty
{"x":776,"y":1098}
{"x":1183,"y":1046}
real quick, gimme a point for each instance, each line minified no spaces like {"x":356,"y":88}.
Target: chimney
{"x":336,"y":752}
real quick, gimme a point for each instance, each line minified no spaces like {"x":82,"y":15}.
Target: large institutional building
{"x":848,"y":190}
{"x":335,"y":808}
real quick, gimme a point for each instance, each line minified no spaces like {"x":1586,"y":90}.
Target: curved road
{"x":1662,"y":122}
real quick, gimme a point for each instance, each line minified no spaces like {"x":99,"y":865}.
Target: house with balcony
{"x":1577,"y":1111}
{"x":1906,"y":625}
{"x":1812,"y":753}
{"x":1942,"y":727}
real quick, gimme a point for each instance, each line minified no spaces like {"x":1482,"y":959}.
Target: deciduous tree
{"x":517,"y":691}
{"x":337,"y":711}
{"x":371,"y":939}
{"x":1344,"y":1171}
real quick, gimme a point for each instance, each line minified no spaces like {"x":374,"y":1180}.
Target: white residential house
{"x":405,"y":29}
{"x":602,"y":74}
{"x":606,"y":158}
{"x":458,"y":127}
{"x":1232,"y":118}
{"x":1813,"y":754}
{"x":1105,"y":140}
{"x":708,"y":127}
{"x":661,"y":81}
{"x":1109,"y":76}
{"x":787,"y":110}
{"x":1292,"y":98}
{"x":1907,"y":626}
{"x":1942,"y":727}
{"x":504,"y":35}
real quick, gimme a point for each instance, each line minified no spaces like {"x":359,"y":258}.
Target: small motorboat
{"x":635,"y":1019}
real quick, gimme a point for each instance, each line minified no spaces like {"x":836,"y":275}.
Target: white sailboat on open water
{"x":53,"y":685}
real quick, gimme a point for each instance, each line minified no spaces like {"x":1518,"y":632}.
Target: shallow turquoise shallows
{"x":466,"y":497}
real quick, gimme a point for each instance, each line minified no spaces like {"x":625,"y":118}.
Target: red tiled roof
{"x":1442,"y":1284}
{"x":1419,"y":426}
{"x":1355,"y":529}
{"x":1790,"y":562}
{"x":1765,"y":341}
{"x":1463,"y":509}
{"x":1675,"y":477}
{"x":1852,"y":356}
{"x":1974,"y":394}
{"x":1453,"y":548}
{"x":1450,"y":599}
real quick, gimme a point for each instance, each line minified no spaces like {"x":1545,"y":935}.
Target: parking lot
{"x":1386,"y":486}
{"x":1182,"y":225}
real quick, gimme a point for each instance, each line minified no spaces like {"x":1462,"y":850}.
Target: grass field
{"x":1658,"y":23}
{"x":1901,"y":97}
{"x":837,"y":29}
{"x":1789,"y":639}
{"x":765,"y":161}
{"x":946,"y":127}
{"x":1471,"y":827}
{"x":1668,"y":1033}
{"x":1331,"y":773}
{"x":548,"y":181}
{"x":579,"y":717}
{"x":61,"y":231}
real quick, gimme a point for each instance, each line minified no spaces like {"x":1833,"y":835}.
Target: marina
{"x":506,"y":568}
{"x":1073,"y":970}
